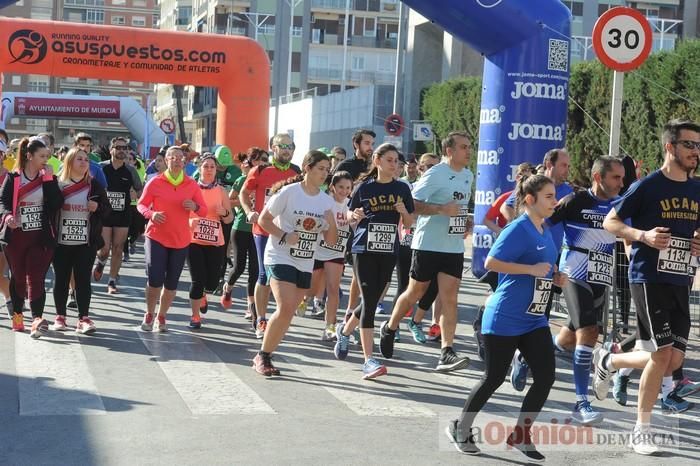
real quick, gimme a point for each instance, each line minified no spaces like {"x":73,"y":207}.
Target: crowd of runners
{"x":295,"y":228}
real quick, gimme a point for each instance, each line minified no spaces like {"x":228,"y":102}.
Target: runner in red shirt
{"x":254,"y":195}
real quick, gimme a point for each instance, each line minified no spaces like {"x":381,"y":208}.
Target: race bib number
{"x":117,"y":200}
{"x":30,"y":217}
{"x":206,"y":230}
{"x":339,"y":246}
{"x":600,"y":268}
{"x":381,"y":237}
{"x":304,"y":249}
{"x":540,"y":297}
{"x":74,"y":230}
{"x":675,"y":258}
{"x":458,"y":224}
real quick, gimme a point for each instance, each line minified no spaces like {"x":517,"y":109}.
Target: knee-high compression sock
{"x":583,"y":355}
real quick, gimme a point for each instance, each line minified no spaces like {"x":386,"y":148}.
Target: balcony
{"x":234,"y":31}
{"x":362,"y":5}
{"x":351,"y":76}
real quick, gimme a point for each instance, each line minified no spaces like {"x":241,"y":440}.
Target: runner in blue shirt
{"x":441,"y":196}
{"x":663,"y":210}
{"x":524,"y":255}
{"x":378,"y":204}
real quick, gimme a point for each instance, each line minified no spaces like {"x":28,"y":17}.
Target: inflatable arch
{"x":77,"y":107}
{"x":237,"y":66}
{"x":525,"y":88}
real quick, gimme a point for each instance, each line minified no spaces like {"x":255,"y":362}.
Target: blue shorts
{"x":289,"y":274}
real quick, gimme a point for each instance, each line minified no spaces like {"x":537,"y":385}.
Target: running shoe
{"x":195,"y":323}
{"x":341,"y":345}
{"x":372,"y":369}
{"x":601,"y":381}
{"x":227,"y":302}
{"x":85,"y":326}
{"x":416,"y":332}
{"x":518,"y":372}
{"x":219,"y":288}
{"x":686,"y":387}
{"x":468,"y":446}
{"x":204,"y":307}
{"x":97,"y":271}
{"x":72,"y":304}
{"x":59,"y":324}
{"x":248,"y":315}
{"x":262,"y":363}
{"x":18,"y":322}
{"x":160,"y":325}
{"x":301,"y":309}
{"x":147,"y":324}
{"x":380,"y":309}
{"x":328,"y":333}
{"x":260,"y":328}
{"x":674,"y":404}
{"x":642,"y":441}
{"x":40,"y":327}
{"x":386,"y":340}
{"x":584,"y":414}
{"x":112,"y":287}
{"x":620,"y":388}
{"x":319,"y":310}
{"x":449,"y":361}
{"x":525,"y":447}
{"x":434,"y":333}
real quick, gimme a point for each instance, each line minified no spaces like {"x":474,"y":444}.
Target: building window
{"x":155,"y":21}
{"x":118,"y":20}
{"x":358,"y":63}
{"x":576,"y":7}
{"x":141,"y":3}
{"x":16,"y":80}
{"x":118,"y":2}
{"x":364,"y":27}
{"x":297,"y":31}
{"x":138,"y":21}
{"x":184,"y":16}
{"x":39,"y":85}
{"x":94,"y":16}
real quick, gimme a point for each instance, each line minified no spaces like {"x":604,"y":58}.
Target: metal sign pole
{"x":616,"y":113}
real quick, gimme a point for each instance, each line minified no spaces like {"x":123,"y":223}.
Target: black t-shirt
{"x":377,"y":232}
{"x":657,"y":201}
{"x":119,"y":184}
{"x":354,"y":166}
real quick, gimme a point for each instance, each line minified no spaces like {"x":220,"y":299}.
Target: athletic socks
{"x":666,"y":386}
{"x":626,"y":371}
{"x":583,"y":355}
{"x":678,"y":373}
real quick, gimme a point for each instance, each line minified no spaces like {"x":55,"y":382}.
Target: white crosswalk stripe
{"x":203,"y":381}
{"x":54,"y":378}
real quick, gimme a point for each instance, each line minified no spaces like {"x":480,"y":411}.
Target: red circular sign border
{"x":172,"y":123}
{"x":387,"y":122}
{"x":597,"y":38}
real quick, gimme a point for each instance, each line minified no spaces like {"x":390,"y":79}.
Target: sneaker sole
{"x":373,"y":375}
{"x":673,"y":412}
{"x":53,"y":328}
{"x":86,"y":332}
{"x":514,"y":446}
{"x":643,"y":453}
{"x":146,"y":328}
{"x":588,"y":423}
{"x":453,"y":442}
{"x":453,"y":367}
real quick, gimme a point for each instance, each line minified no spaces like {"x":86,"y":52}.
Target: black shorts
{"x":118,"y":219}
{"x":318,"y":265}
{"x":663,"y":315}
{"x":289,"y":274}
{"x":426,"y":265}
{"x":585,"y":303}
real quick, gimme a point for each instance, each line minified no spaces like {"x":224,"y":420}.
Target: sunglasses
{"x":689,"y":144}
{"x":286,"y":146}
{"x":120,"y":147}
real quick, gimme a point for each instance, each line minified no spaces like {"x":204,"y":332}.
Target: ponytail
{"x":27,"y":146}
{"x":310,"y":160}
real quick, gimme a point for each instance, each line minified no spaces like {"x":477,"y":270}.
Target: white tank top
{"x":73,"y":220}
{"x":30,"y":205}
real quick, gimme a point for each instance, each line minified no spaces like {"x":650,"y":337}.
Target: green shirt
{"x":55,"y":164}
{"x":226,"y":178}
{"x":240,"y":221}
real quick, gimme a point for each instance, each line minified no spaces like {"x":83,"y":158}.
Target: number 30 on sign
{"x":622,"y":38}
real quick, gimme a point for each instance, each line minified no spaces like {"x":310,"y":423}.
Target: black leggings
{"x":76,"y":260}
{"x":373,"y":271}
{"x":137,"y":226}
{"x":226,"y":228}
{"x":245,"y":250}
{"x":205,"y":264}
{"x":537,"y":349}
{"x":403,"y":269}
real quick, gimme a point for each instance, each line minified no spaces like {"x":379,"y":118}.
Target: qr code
{"x":558,"y":59}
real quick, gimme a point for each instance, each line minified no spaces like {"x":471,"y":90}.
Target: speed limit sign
{"x":622,"y":38}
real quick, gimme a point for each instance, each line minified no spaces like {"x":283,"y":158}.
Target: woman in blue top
{"x":378,"y":204}
{"x":524,"y":255}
